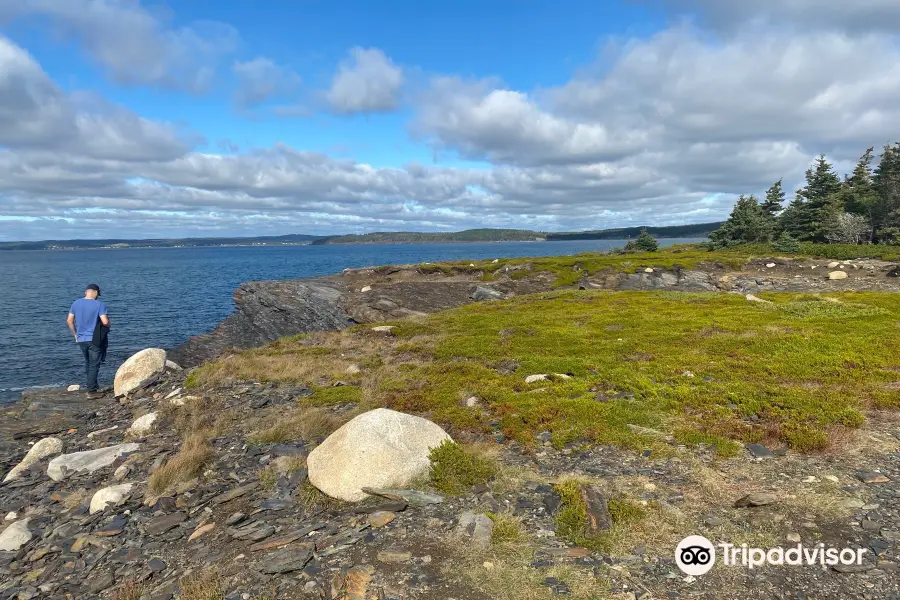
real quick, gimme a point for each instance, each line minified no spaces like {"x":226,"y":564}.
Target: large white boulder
{"x":87,"y":461}
{"x":42,"y":449}
{"x":380,"y":449}
{"x":138,"y":369}
{"x":837,"y":275}
{"x":109,"y":495}
{"x":15,"y":536}
{"x":143,"y":425}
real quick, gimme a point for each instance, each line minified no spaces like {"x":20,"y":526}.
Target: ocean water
{"x":158,"y":297}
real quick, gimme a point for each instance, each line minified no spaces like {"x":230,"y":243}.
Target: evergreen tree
{"x":748,"y":223}
{"x":786,"y":243}
{"x":813,"y":214}
{"x":885,"y":214}
{"x":642,"y":243}
{"x":774,"y":200}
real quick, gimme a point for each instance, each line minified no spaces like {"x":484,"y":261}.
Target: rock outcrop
{"x":138,"y":369}
{"x":381,"y":448}
{"x":46,"y":447}
{"x":87,"y":461}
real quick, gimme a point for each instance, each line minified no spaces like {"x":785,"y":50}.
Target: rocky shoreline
{"x":264,"y":539}
{"x":85,"y":517}
{"x":268,"y":310}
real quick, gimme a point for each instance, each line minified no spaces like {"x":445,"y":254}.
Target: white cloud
{"x":134,"y":45}
{"x":662,"y":130}
{"x":840,"y":15}
{"x":367,"y":82}
{"x":260,"y":79}
{"x":36,"y":115}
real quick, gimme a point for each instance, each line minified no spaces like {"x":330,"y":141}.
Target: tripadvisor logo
{"x":696,"y":555}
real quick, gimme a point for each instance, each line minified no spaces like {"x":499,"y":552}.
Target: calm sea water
{"x":158,"y":297}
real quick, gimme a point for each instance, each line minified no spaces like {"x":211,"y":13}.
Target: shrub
{"x":785,"y":243}
{"x":507,"y":528}
{"x":642,"y":243}
{"x":195,"y":452}
{"x":455,"y":469}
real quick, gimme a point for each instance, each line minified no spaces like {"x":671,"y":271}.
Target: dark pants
{"x":92,"y":355}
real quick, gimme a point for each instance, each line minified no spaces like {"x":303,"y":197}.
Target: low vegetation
{"x":572,"y":518}
{"x":711,"y":369}
{"x":456,"y":468}
{"x":203,"y":585}
{"x":194,"y":454}
{"x":308,"y":424}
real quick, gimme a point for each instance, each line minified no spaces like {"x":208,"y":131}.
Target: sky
{"x":130,"y":119}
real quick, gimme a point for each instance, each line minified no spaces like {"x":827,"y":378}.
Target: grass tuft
{"x":194,"y":454}
{"x":307,"y":424}
{"x":507,"y":529}
{"x":455,"y":468}
{"x":204,"y":585}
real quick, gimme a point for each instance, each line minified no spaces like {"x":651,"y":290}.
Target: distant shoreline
{"x":397,"y":243}
{"x":469,"y":236}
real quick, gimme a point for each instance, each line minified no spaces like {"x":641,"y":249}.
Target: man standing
{"x":86,"y":320}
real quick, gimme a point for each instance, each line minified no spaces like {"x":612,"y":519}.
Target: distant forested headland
{"x":387,"y":237}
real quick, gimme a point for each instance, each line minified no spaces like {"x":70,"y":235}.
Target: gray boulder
{"x":484,"y":292}
{"x":42,"y":449}
{"x":15,"y":536}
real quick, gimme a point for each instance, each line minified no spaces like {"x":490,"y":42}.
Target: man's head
{"x":92,"y":291}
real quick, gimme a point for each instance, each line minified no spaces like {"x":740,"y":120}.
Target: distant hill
{"x":413,"y":237}
{"x":292,"y":239}
{"x":625,"y":233}
{"x":384,"y":237}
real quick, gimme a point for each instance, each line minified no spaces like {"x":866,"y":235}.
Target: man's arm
{"x":70,"y":321}
{"x":105,"y":320}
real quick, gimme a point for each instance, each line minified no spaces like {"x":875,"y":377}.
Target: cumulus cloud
{"x":36,"y":115}
{"x":662,"y":130}
{"x":260,"y":79}
{"x":842,"y":15}
{"x":367,"y":82}
{"x":728,"y":117}
{"x":134,"y":45}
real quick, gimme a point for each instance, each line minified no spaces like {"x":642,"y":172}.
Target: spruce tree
{"x":774,"y":199}
{"x":813,"y":214}
{"x":748,"y":223}
{"x":885,"y":214}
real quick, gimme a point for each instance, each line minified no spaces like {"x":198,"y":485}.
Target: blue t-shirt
{"x":86,"y":313}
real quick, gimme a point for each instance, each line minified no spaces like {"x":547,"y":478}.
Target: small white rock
{"x":495,"y":261}
{"x":384,"y":328}
{"x":832,"y":478}
{"x":121,"y":472}
{"x":15,"y":536}
{"x":837,"y":275}
{"x":109,"y":495}
{"x":770,"y":265}
{"x":648,"y":270}
{"x":173,"y":366}
{"x":471,"y":264}
{"x":73,"y":388}
{"x":753,"y":298}
{"x":687,"y":374}
{"x":143,"y":425}
{"x":173,"y":393}
{"x":794,"y":537}
{"x":833,"y":264}
{"x":94,"y":434}
{"x":472,"y":401}
{"x":352,"y":370}
{"x":536,"y":378}
{"x":11,"y":516}
{"x":365,"y":289}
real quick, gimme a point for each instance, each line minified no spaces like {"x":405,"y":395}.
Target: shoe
{"x":94,"y":395}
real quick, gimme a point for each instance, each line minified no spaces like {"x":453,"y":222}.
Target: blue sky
{"x":212,"y":118}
